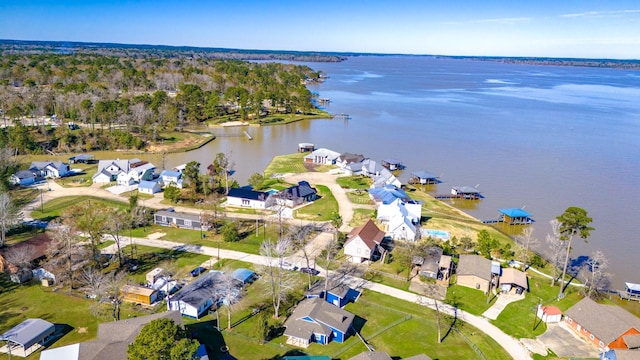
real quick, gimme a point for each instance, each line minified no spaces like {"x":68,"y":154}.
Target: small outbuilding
{"x":515,"y":216}
{"x":27,"y":337}
{"x":549,"y":314}
{"x":23,"y":178}
{"x":513,"y":281}
{"x":149,"y":187}
{"x":154,"y":275}
{"x":139,"y":294}
{"x":244,"y":276}
{"x":424,"y":178}
{"x":306,"y":147}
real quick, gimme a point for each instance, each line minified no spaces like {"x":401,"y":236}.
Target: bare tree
{"x":274,"y":254}
{"x":64,"y":255}
{"x":94,"y":279}
{"x":20,"y":256}
{"x":8,"y":163}
{"x":555,"y":250}
{"x":300,"y":238}
{"x":114,"y":282}
{"x":115,"y":225}
{"x":594,"y":273}
{"x":9,"y":216}
{"x":527,"y":241}
{"x":229,"y":293}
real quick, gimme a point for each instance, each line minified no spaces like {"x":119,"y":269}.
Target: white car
{"x":288,"y":266}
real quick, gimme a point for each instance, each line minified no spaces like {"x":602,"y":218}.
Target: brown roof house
{"x":475,"y":272}
{"x":513,"y":281}
{"x":112,"y":341}
{"x":315,"y":320}
{"x":363,"y":241}
{"x":605,"y":326}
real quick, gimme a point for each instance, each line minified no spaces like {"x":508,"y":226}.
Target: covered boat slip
{"x":27,"y":337}
{"x":512,"y":216}
{"x":631,"y":292}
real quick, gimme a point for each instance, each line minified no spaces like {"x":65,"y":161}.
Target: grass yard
{"x":148,"y":258}
{"x":354,"y":182}
{"x":468,"y":299}
{"x":361,"y":216}
{"x":359,"y":197}
{"x":292,"y":163}
{"x":321,"y":209}
{"x":85,"y":178}
{"x":53,"y":208}
{"x":23,"y":196}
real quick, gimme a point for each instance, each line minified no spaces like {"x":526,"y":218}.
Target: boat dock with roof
{"x":512,"y":216}
{"x":461,"y":192}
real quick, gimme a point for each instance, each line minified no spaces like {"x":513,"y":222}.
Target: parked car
{"x":197,"y":271}
{"x":288,"y":266}
{"x":311,"y":271}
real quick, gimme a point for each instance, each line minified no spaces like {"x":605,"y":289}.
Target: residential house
{"x":371,"y":168}
{"x":513,"y":281}
{"x":108,"y":170}
{"x":112,"y":341}
{"x":410,"y":209}
{"x":607,"y":327}
{"x":423,"y":178}
{"x":149,"y":187}
{"x":322,"y":156}
{"x":515,"y":216}
{"x":475,"y":272}
{"x":49,"y":169}
{"x":400,"y":227}
{"x":338,"y":293}
{"x":179,"y":219}
{"x":348,"y":158}
{"x":23,"y":178}
{"x":315,"y":320}
{"x":466,"y":192}
{"x":171,"y":177}
{"x":549,"y":314}
{"x":142,"y":172}
{"x":247,"y":198}
{"x":618,"y":354}
{"x":27,"y":337}
{"x":294,"y":195}
{"x":431,"y":262}
{"x":197,"y":297}
{"x":139,"y":294}
{"x":363,"y":242}
{"x":392,"y":164}
{"x":445,"y":269}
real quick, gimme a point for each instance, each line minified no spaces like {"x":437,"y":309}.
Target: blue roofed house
{"x":171,"y":177}
{"x":315,"y":320}
{"x":149,"y":187}
{"x":247,"y":198}
{"x":338,"y":293}
{"x":23,"y":178}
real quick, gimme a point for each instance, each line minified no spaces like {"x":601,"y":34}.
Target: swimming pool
{"x":271,"y":191}
{"x":440,"y":234}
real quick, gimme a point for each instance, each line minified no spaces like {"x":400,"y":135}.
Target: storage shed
{"x":154,"y":275}
{"x":549,"y":314}
{"x":27,"y":337}
{"x":139,"y":294}
{"x":243,"y":275}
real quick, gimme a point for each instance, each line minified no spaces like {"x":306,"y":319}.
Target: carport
{"x":27,"y":337}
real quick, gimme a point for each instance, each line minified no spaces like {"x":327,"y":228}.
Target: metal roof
{"x":515,"y":212}
{"x":29,"y":332}
{"x":242,"y":274}
{"x":424,"y":175}
{"x":633,"y":287}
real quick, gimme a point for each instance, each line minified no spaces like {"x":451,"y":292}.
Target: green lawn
{"x":361,"y":216}
{"x":83,"y":179}
{"x":53,"y":208}
{"x":321,"y":209}
{"x":359,"y":197}
{"x":354,"y":182}
{"x":468,"y":299}
{"x":292,"y":163}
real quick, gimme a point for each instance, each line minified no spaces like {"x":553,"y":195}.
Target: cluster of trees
{"x":142,"y":96}
{"x":162,"y":339}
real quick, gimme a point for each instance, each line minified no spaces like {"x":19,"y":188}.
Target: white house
{"x":399,"y":227}
{"x":247,"y":198}
{"x":23,"y":178}
{"x":322,"y":156}
{"x":142,"y":172}
{"x":149,"y":187}
{"x":110,"y":170}
{"x":197,"y":297}
{"x":411,"y":210}
{"x":171,"y":177}
{"x":49,"y":169}
{"x":362,"y":242}
{"x":549,"y":314}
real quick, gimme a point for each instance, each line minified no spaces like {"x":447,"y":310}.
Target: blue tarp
{"x":515,"y":212}
{"x":243,"y":275}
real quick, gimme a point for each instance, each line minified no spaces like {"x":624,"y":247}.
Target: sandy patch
{"x":83,"y":330}
{"x":156,"y":235}
{"x":234,"y":123}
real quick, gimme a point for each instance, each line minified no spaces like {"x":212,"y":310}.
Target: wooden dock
{"x":457,"y":196}
{"x":342,"y":116}
{"x":246,"y":133}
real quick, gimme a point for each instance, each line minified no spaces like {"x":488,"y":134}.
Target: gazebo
{"x":27,"y":337}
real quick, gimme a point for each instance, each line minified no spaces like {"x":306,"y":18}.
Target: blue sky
{"x":558,"y":28}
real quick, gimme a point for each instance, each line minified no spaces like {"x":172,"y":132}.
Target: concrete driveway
{"x":566,"y":343}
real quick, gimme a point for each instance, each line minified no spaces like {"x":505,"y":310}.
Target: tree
{"x":192,"y":175}
{"x":162,"y":339}
{"x":527,"y":241}
{"x":114,"y":282}
{"x":594,"y":273}
{"x":486,"y":243}
{"x":556,"y":246}
{"x":172,"y":193}
{"x":90,"y":219}
{"x":7,"y":166}
{"x":256,"y":180}
{"x":115,"y":225}
{"x":9,"y":216}
{"x":300,"y":238}
{"x":274,"y":253}
{"x":64,"y":255}
{"x":230,"y":232}
{"x":574,"y":221}
{"x":222,"y":167}
{"x":229,"y":294}
{"x":20,"y":256}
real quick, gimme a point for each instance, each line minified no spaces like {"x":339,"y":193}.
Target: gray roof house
{"x":431,"y":264}
{"x":372,"y":355}
{"x":197,"y":297}
{"x":51,"y":169}
{"x":179,"y":219}
{"x":475,"y":272}
{"x":23,"y":177}
{"x":315,"y":320}
{"x":27,"y":337}
{"x":112,"y":341}
{"x":294,"y":195}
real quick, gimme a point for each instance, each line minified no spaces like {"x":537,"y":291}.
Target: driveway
{"x":566,"y":343}
{"x":502,"y":302}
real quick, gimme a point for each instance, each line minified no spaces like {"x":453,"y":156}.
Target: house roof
{"x":445,"y":261}
{"x":170,"y":173}
{"x":515,"y":212}
{"x":424,"y":175}
{"x":372,"y":355}
{"x":515,"y":277}
{"x":245,"y":193}
{"x":351,"y":158}
{"x":432,"y":257}
{"x":465,"y":189}
{"x":324,"y":314}
{"x":387,"y":194}
{"x":37,"y":246}
{"x":144,"y":184}
{"x":179,"y":215}
{"x":606,"y":322}
{"x":242,"y":275}
{"x":39,"y":165}
{"x":134,"y":289}
{"x":474,"y":265}
{"x":369,"y":233}
{"x":323,"y":153}
{"x":302,"y":190}
{"x":28,"y":332}
{"x":551,"y":310}
{"x":418,"y":357}
{"x":24,"y":174}
{"x":632,"y":341}
{"x":81,"y":157}
{"x":199,"y":291}
{"x":632,"y":286}
{"x":623,"y":354}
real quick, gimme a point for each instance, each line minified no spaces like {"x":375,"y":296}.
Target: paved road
{"x":510,"y":344}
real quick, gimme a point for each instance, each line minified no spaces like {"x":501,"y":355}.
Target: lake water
{"x":538,"y":137}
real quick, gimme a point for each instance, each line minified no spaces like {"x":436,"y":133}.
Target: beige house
{"x":513,"y":281}
{"x":475,"y":272}
{"x":363,"y":241}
